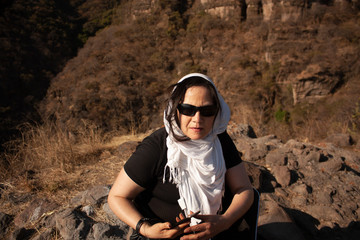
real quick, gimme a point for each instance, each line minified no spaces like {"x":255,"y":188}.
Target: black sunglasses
{"x":190,"y":110}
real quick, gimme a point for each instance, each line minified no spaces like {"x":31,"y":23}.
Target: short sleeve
{"x":231,"y":154}
{"x":143,"y":166}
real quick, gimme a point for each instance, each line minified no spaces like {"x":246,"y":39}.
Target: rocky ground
{"x":308,"y":191}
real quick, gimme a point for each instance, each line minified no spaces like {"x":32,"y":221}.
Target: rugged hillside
{"x":289,"y":68}
{"x":37,"y":39}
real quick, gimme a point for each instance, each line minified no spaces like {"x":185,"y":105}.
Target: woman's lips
{"x":196,"y":129}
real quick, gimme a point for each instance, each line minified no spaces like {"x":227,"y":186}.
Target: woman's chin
{"x":196,"y":134}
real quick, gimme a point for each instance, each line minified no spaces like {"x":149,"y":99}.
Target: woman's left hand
{"x":210,"y":226}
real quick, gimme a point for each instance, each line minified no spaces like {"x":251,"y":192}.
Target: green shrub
{"x":282,"y":115}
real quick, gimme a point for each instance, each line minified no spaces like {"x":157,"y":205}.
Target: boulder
{"x":276,"y":158}
{"x":93,"y":196}
{"x":282,"y":175}
{"x":73,"y":224}
{"x":276,"y":224}
{"x":340,"y":140}
{"x":37,"y":209}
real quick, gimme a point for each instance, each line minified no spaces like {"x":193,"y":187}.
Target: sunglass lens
{"x":208,"y":111}
{"x":187,"y":109}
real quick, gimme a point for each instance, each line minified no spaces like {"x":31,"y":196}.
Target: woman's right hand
{"x":163,"y":230}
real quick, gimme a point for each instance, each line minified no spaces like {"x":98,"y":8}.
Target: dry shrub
{"x":50,"y":146}
{"x":307,"y":122}
{"x":245,"y":114}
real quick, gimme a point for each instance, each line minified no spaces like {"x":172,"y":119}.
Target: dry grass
{"x":50,"y":146}
{"x":53,"y":163}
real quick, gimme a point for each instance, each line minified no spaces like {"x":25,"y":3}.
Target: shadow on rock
{"x":351,"y":232}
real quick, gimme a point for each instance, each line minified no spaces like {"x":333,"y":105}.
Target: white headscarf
{"x":197,"y":167}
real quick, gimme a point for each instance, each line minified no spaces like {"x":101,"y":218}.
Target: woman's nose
{"x":196,"y":117}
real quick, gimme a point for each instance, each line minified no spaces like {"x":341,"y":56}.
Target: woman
{"x":189,"y":165}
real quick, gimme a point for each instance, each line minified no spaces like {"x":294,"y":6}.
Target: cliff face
{"x":314,"y":81}
{"x":266,"y":57}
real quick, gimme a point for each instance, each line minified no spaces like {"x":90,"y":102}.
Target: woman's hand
{"x":211,"y":225}
{"x":164,"y":230}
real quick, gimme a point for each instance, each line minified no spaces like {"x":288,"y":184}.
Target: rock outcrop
{"x":308,"y":191}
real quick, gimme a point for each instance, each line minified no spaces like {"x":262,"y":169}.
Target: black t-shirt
{"x":146,"y":168}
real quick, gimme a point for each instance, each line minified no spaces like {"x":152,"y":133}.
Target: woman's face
{"x":197,"y":126}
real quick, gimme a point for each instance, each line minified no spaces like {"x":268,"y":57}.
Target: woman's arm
{"x":120,"y":199}
{"x":239,"y":183}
